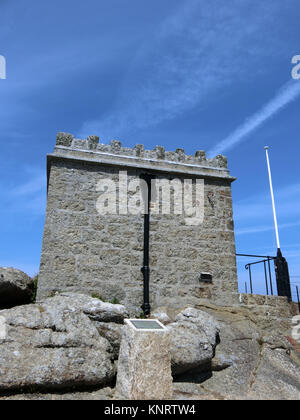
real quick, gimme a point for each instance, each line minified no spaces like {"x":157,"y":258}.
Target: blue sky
{"x":195,"y":74}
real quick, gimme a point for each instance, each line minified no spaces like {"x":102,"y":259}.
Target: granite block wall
{"x":84,"y":251}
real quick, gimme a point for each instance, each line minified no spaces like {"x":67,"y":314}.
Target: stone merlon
{"x":158,"y":159}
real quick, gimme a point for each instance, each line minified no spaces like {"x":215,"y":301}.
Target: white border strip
{"x":129,"y":322}
{"x":137,"y":158}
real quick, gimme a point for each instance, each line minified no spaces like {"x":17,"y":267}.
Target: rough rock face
{"x":161,"y":315}
{"x":96,"y":309}
{"x":252,"y":361}
{"x":16,"y":288}
{"x":72,"y":340}
{"x":95,"y":395}
{"x":54,"y":344}
{"x":194,"y":336}
{"x":113,"y":333}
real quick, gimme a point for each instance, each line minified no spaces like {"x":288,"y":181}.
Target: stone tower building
{"x":87,"y":251}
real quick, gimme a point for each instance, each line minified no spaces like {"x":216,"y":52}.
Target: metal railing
{"x":270,"y":289}
{"x":295,"y":285}
{"x":267,"y":271}
{"x":298,"y":296}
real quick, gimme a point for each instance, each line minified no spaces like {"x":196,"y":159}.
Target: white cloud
{"x":196,"y":53}
{"x":28,"y":197}
{"x":259,"y":206}
{"x":253,"y":216}
{"x":34,"y":185}
{"x":287,"y":94}
{"x":260,"y":229}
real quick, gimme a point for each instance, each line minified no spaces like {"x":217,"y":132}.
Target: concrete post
{"x":144,"y":367}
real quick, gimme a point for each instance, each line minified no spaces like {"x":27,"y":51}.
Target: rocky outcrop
{"x":161,"y":315}
{"x":94,"y":308}
{"x":55,"y":344}
{"x":106,"y":393}
{"x":253,"y":360}
{"x":16,"y":287}
{"x":72,"y":341}
{"x":194,"y":336}
{"x":113,"y":333}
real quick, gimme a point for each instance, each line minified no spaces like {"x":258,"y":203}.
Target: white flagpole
{"x":272,"y":197}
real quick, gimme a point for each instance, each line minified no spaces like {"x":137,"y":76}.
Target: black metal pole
{"x":297,"y":289}
{"x":282,"y":276}
{"x":266,"y":278}
{"x":146,"y":269}
{"x":248,"y":267}
{"x":270,"y":276}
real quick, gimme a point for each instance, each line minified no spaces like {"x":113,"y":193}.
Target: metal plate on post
{"x":146,"y":324}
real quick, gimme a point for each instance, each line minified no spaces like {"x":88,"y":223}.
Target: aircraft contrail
{"x":288,"y":93}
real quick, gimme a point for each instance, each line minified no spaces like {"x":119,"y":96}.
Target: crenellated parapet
{"x":158,"y":159}
{"x":158,"y":153}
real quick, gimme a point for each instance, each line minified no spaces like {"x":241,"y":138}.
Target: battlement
{"x":157,"y":159}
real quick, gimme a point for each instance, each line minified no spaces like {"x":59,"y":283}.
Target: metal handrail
{"x":268,"y":275}
{"x":256,"y":256}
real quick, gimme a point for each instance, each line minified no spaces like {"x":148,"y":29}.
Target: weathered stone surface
{"x":54,"y":344}
{"x":161,"y":315}
{"x":113,"y":333}
{"x":99,"y":394}
{"x":96,"y":309}
{"x":200,"y":155}
{"x":115,"y":146}
{"x":237,"y":355}
{"x":194,"y":336}
{"x":16,"y":287}
{"x":160,"y":152}
{"x":276,"y":377}
{"x":64,"y":139}
{"x":144,"y":367}
{"x":92,"y":142}
{"x":253,"y":360}
{"x":139,"y":150}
